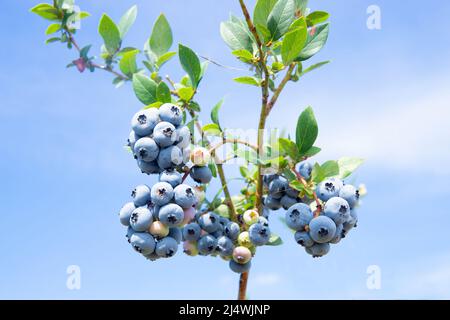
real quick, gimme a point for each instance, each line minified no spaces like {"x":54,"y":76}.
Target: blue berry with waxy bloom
{"x":298,"y":216}
{"x":184,"y":137}
{"x":164,"y":134}
{"x":291,"y":192}
{"x":337,"y":209}
{"x":172,"y":177}
{"x":141,"y":195}
{"x":184,"y":196}
{"x":161,"y":193}
{"x":171,"y":113}
{"x":272,"y":203}
{"x":350,"y":223}
{"x":144,"y":121}
{"x":171,"y":215}
{"x":318,"y":249}
{"x":152,"y":256}
{"x":322,"y":229}
{"x":148,"y":167}
{"x":132,"y":138}
{"x":329,"y":188}
{"x":305,"y":169}
{"x":303,"y":238}
{"x":338,"y":234}
{"x":263,"y":220}
{"x":176,"y":234}
{"x":209,"y":222}
{"x":146,"y":149}
{"x":218,"y":233}
{"x":166,"y":247}
{"x":206,"y":244}
{"x":143,"y":242}
{"x":232,"y":230}
{"x":201,"y":174}
{"x":268,"y":178}
{"x":259,"y":234}
{"x":140,"y":219}
{"x":225,"y":246}
{"x":130,"y":232}
{"x":350,"y":194}
{"x":240,"y":268}
{"x":277,"y":187}
{"x":287,"y":202}
{"x":125,"y":213}
{"x":170,"y":157}
{"x":191,"y":232}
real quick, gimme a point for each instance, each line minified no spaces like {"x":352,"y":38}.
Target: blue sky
{"x":65,"y":174}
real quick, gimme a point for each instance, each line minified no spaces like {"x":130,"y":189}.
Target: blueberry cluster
{"x":214,"y":235}
{"x":158,"y":139}
{"x":156,"y":214}
{"x":317,"y":231}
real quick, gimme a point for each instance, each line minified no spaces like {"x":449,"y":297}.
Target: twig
{"x":305,"y":183}
{"x":280,"y":88}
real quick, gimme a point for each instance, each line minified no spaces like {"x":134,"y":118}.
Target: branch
{"x":305,"y":183}
{"x":280,"y":88}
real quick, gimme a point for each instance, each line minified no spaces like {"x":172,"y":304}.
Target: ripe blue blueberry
{"x":176,"y":234}
{"x":303,"y":238}
{"x":209,"y":222}
{"x":171,"y":113}
{"x":144,"y":121}
{"x":277,"y":187}
{"x":132,"y":138}
{"x":218,"y":233}
{"x":287,"y":202}
{"x":125,"y":213}
{"x":141,"y":195}
{"x":166,"y":247}
{"x":201,"y":174}
{"x":338,"y":234}
{"x":191,"y":232}
{"x":322,"y":229}
{"x":240,"y":268}
{"x":329,"y":188}
{"x":305,"y":169}
{"x":268,"y":178}
{"x":350,"y":194}
{"x":152,"y":256}
{"x":263,"y":220}
{"x":170,"y":157}
{"x":318,"y":249}
{"x":272,"y":203}
{"x":141,"y":219}
{"x":259,"y":234}
{"x":130,"y":232}
{"x":206,"y":244}
{"x":184,"y":137}
{"x":337,"y":209}
{"x":146,"y":149}
{"x":225,"y":246}
{"x":291,"y":192}
{"x":171,"y":215}
{"x":298,"y":216}
{"x":143,"y":242}
{"x":185,"y":196}
{"x":164,"y":134}
{"x":172,"y":177}
{"x":148,"y":167}
{"x":232,"y":230}
{"x":161,"y":193}
{"x":351,"y":222}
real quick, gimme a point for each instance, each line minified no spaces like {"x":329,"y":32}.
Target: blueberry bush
{"x":168,"y":141}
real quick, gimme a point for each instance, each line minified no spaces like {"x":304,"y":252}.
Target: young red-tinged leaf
{"x":307,"y":130}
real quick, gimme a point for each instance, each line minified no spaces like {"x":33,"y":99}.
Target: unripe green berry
{"x":251,"y":217}
{"x":244,"y":239}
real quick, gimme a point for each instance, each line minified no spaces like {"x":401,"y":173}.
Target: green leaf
{"x":248,"y":80}
{"x":243,"y":54}
{"x":127,"y":21}
{"x":85,"y":51}
{"x":51,"y":40}
{"x":128,"y":62}
{"x":274,"y":240}
{"x":300,"y":7}
{"x":110,"y":34}
{"x":348,"y":165}
{"x":186,"y":93}
{"x":236,"y":36}
{"x":164,"y":58}
{"x":330,"y":168}
{"x":161,"y":39}
{"x":163,"y":93}
{"x":194,"y":106}
{"x":156,"y":104}
{"x":280,"y":18}
{"x":315,"y":42}
{"x":262,"y":11}
{"x":212,"y":129}
{"x":317,"y":17}
{"x":294,"y":42}
{"x":46,"y":11}
{"x":191,"y":64}
{"x":54,"y":27}
{"x":215,"y":112}
{"x":317,"y":174}
{"x":307,"y":130}
{"x":84,"y":15}
{"x":244,"y":172}
{"x":312,"y":151}
{"x":263,"y":32}
{"x":288,"y":148}
{"x":213,"y":169}
{"x":144,"y":88}
{"x":313,"y":67}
